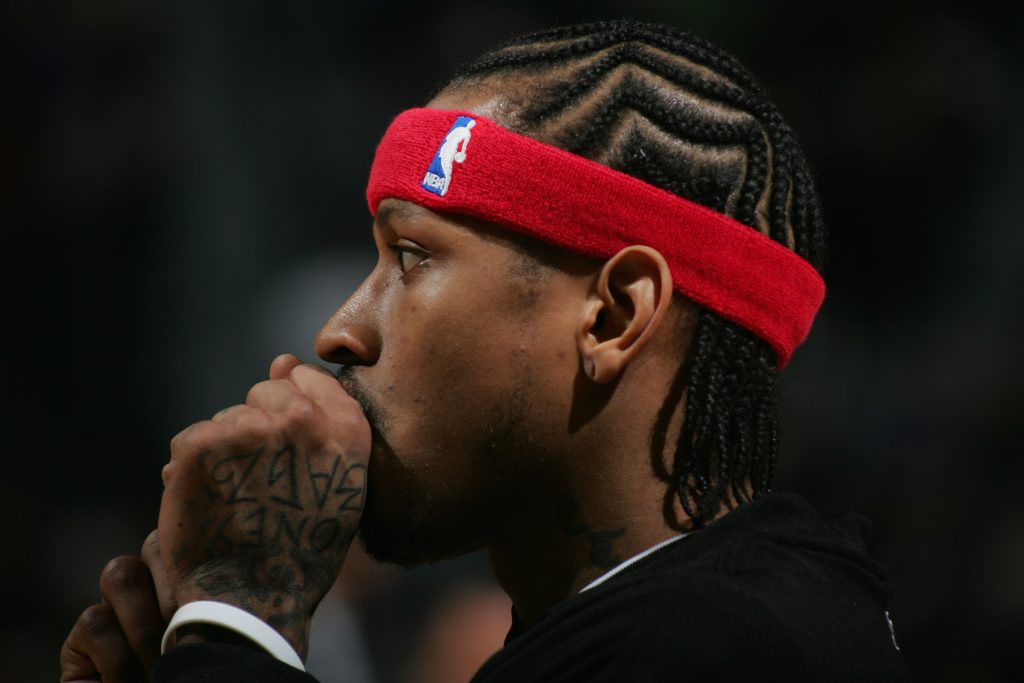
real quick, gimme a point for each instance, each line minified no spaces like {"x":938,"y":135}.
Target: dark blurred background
{"x":181,"y":187}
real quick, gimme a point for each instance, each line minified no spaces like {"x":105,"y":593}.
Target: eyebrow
{"x":388,"y":213}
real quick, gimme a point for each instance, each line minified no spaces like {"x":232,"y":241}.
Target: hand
{"x":261,"y":502}
{"x":119,"y":639}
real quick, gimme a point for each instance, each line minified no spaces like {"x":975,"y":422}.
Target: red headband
{"x":459,"y":162}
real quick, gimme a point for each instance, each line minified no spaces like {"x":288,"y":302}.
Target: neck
{"x":613,"y":497}
{"x":552,"y":551}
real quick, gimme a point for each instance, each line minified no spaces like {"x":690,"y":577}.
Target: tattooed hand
{"x":260,"y":503}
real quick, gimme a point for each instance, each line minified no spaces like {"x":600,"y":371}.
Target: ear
{"x":625,"y":308}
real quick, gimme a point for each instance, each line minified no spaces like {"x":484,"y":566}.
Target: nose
{"x":350,"y":337}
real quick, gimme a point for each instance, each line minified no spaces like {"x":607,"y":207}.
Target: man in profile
{"x":568,"y":354}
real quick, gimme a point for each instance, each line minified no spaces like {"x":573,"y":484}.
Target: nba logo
{"x":452,"y":151}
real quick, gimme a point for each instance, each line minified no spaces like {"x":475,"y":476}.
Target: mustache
{"x":375,"y":415}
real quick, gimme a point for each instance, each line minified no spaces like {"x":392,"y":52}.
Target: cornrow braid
{"x":679,"y":113}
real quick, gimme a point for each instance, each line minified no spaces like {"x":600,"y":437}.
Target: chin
{"x":412,"y":538}
{"x":450,"y":507}
{"x":404,"y":523}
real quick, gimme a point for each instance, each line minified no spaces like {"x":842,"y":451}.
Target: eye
{"x":408,"y":257}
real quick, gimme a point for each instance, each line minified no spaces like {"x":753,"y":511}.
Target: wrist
{"x":283,"y":614}
{"x":207,"y":621}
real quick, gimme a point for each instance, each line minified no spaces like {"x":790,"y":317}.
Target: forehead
{"x":489,"y":99}
{"x":393,"y":210}
{"x":413,"y":221}
{"x":399,"y":214}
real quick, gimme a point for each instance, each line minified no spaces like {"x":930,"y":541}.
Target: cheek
{"x":448,"y":338}
{"x":436,"y":369}
{"x":451,"y":359}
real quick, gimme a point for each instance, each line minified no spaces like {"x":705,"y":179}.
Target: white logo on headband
{"x":451,"y":151}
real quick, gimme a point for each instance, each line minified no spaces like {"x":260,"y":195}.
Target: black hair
{"x":677,"y":112}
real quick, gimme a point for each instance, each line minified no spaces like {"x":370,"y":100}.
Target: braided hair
{"x":679,"y":113}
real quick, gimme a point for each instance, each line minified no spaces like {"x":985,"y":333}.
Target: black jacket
{"x":772,"y":591}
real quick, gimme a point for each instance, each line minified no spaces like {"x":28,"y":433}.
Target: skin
{"x":493,"y":409}
{"x":576,"y":463}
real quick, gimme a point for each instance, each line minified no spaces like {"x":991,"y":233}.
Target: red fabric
{"x":578,"y":204}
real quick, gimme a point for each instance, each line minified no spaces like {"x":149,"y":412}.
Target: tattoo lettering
{"x":281,"y":466}
{"x":352,"y":495}
{"x":600,"y":542}
{"x":283,"y":486}
{"x":286,"y":528}
{"x":602,"y":554}
{"x":327,"y":478}
{"x":271,"y":529}
{"x":224,"y":472}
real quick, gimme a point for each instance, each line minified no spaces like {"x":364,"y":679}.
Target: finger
{"x":76,"y":666}
{"x":241,"y":428}
{"x":321,"y":369}
{"x":274,"y":397}
{"x":161,"y":581}
{"x":323,"y":387}
{"x":282,"y":366}
{"x":244,"y":424}
{"x":127,"y":587}
{"x":195,"y":438}
{"x":96,"y":645}
{"x":220,"y":415}
{"x":347,"y":420}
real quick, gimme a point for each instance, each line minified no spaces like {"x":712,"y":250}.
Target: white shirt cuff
{"x":234,"y":619}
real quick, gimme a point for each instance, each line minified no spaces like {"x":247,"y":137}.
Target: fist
{"x":261,"y":502}
{"x":118,"y":640}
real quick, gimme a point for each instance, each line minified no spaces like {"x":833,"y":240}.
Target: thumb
{"x":161,"y":583}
